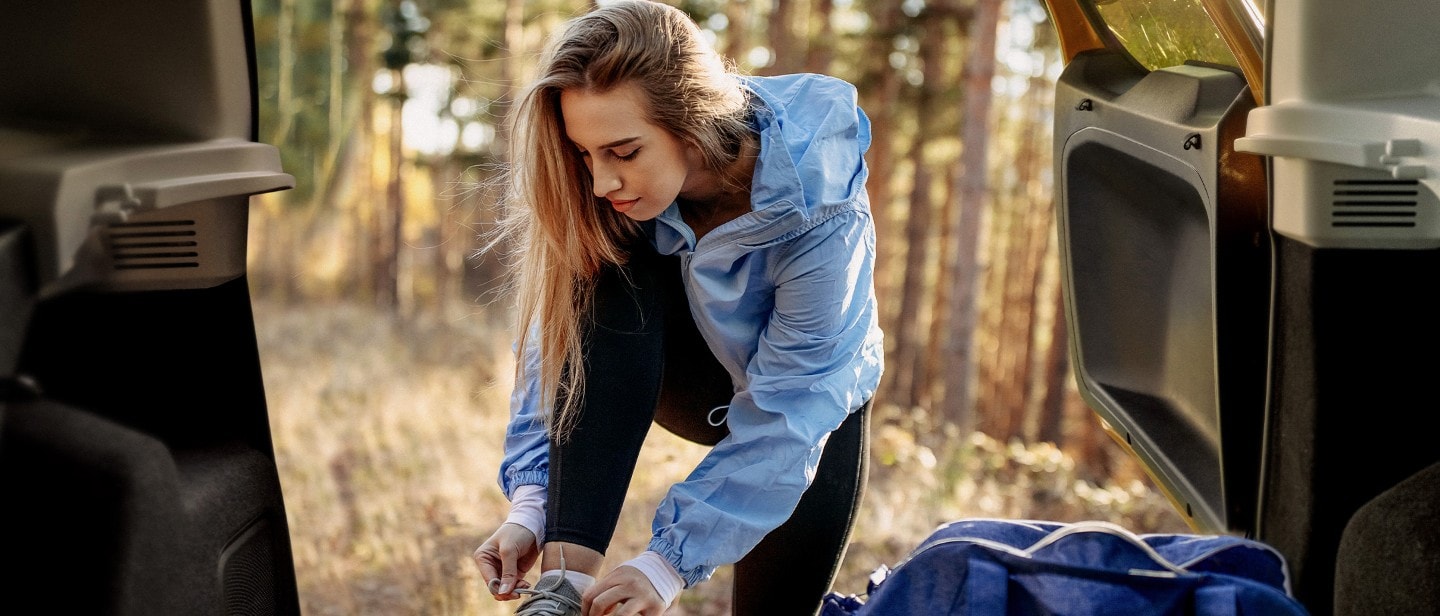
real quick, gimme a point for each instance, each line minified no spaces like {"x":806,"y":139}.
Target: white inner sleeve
{"x":662,"y":576}
{"x":527,"y":509}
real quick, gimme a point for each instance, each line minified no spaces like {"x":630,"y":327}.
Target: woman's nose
{"x":606,"y":180}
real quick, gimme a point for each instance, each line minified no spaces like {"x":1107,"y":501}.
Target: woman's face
{"x":637,"y":166}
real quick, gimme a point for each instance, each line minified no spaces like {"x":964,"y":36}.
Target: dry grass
{"x":388,"y":433}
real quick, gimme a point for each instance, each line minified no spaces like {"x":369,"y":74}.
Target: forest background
{"x":385,"y":334}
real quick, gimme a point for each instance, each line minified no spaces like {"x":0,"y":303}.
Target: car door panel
{"x":1162,"y":286}
{"x":135,"y":451}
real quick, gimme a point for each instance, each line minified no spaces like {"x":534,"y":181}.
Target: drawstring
{"x":712,"y":420}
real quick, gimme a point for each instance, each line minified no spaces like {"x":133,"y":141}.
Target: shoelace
{"x":558,"y":604}
{"x":536,"y":606}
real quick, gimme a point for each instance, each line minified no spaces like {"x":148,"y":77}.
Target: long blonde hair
{"x":561,"y":234}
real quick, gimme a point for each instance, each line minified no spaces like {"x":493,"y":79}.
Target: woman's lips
{"x":623,"y":206}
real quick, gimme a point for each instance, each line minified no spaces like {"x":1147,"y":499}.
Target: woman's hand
{"x":625,"y":591}
{"x":505,"y":558}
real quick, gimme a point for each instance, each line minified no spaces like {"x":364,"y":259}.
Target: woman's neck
{"x":730,"y":198}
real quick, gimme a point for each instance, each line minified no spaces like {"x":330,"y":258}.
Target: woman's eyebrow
{"x":617,"y":142}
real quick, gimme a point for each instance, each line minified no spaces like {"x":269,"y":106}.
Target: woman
{"x":695,"y":250}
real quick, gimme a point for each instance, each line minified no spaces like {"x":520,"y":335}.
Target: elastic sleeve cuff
{"x":671,"y":556}
{"x":662,"y":576}
{"x":527,"y":509}
{"x":514,"y":480}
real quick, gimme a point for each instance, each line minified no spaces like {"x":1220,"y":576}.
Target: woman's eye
{"x":628,"y":156}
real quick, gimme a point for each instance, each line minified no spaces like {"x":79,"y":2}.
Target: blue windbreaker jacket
{"x":784,"y":296}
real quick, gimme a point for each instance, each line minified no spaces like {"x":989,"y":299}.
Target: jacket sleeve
{"x":527,"y":443}
{"x":812,"y":367}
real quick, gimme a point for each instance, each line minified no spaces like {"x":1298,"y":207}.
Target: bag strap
{"x":1142,"y":554}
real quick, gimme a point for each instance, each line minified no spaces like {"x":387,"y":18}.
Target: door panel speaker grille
{"x":165,"y":244}
{"x":1374,"y":203}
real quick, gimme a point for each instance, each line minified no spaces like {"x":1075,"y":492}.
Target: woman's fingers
{"x":622,"y":592}
{"x":504,"y":558}
{"x":489,"y":561}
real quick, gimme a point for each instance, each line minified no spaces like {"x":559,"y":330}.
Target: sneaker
{"x":553,"y":595}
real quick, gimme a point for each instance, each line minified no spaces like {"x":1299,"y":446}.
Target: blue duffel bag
{"x":1025,"y":567}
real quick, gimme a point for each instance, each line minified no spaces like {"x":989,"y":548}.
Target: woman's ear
{"x":694,"y":158}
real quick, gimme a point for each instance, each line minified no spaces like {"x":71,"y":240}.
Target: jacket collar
{"x":776,"y":193}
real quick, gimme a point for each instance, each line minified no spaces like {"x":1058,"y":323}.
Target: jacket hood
{"x":813,"y":137}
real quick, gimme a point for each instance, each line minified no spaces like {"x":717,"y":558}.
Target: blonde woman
{"x":695,"y":250}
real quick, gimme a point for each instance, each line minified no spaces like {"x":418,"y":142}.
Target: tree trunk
{"x":360,"y":62}
{"x":909,"y":346}
{"x":1055,"y":366}
{"x":821,"y":49}
{"x":394,"y":208}
{"x":489,"y":270}
{"x":1030,"y":225}
{"x":990,"y":359}
{"x":285,"y":110}
{"x":514,"y":40}
{"x":1093,"y":449}
{"x":909,"y":351}
{"x":940,"y":307}
{"x":284,"y":73}
{"x":879,"y":88}
{"x":972,"y":180}
{"x":940,"y":313}
{"x":784,"y":43}
{"x":335,"y":103}
{"x":1038,"y":195}
{"x":737,"y":30}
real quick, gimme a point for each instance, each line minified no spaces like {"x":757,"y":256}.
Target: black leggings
{"x":641,"y":326}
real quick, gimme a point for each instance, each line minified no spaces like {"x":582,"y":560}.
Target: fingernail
{"x":504,"y":588}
